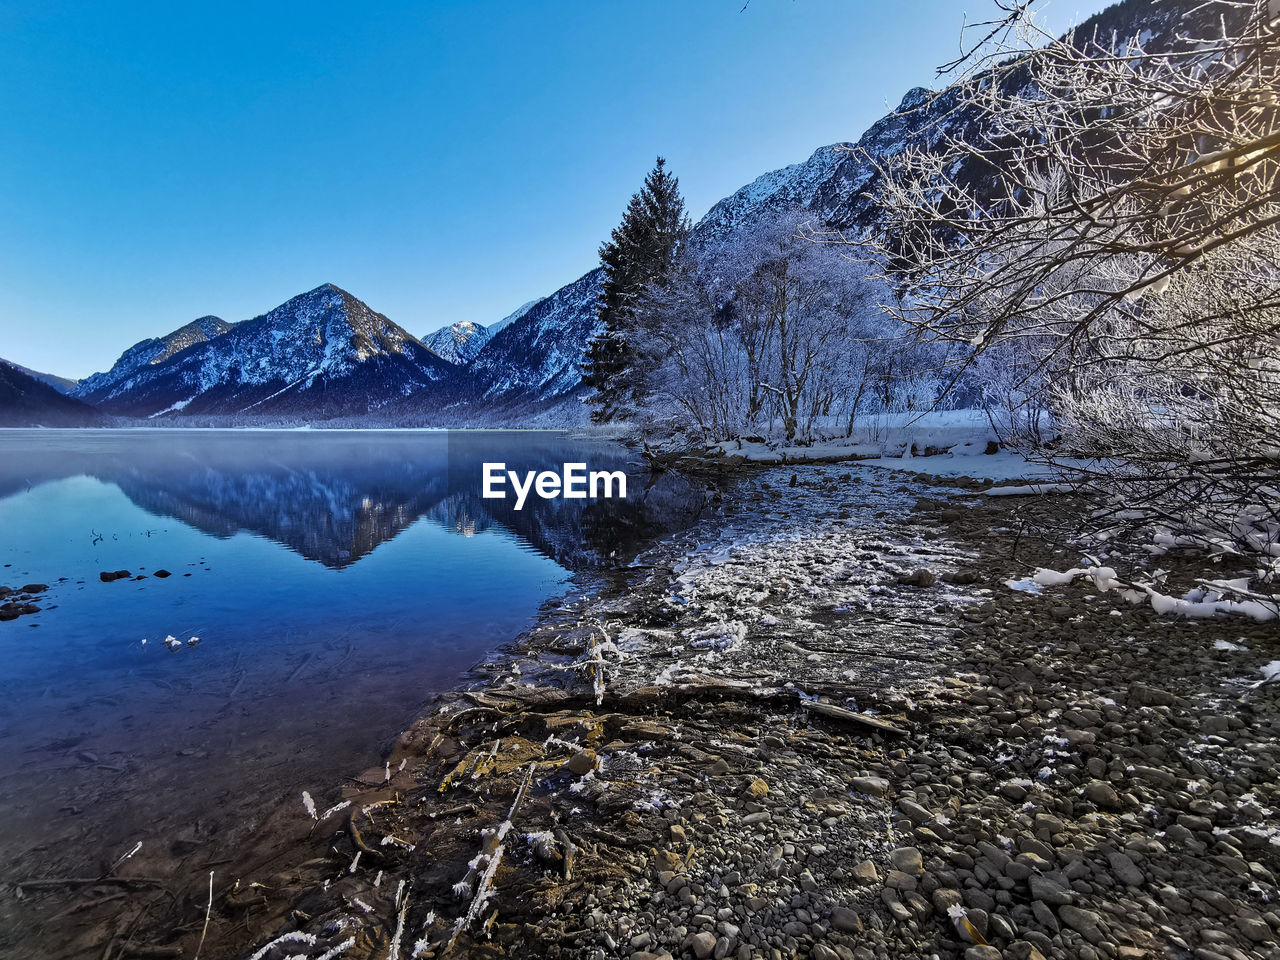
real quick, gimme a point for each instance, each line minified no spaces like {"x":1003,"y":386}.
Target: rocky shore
{"x":820,"y":725}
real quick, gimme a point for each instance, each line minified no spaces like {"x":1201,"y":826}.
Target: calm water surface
{"x":335,"y":580}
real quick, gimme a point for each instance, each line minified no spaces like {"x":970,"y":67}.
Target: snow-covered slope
{"x":513,"y":316}
{"x":147,"y":353}
{"x":322,"y":354}
{"x":459,"y":342}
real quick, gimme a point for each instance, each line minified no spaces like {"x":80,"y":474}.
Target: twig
{"x":298,"y":669}
{"x":207,"y":911}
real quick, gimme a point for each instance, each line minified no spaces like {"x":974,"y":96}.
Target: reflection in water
{"x":333,"y":497}
{"x":336,"y":580}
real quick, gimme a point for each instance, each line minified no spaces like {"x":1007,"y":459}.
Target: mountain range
{"x":326,"y":356}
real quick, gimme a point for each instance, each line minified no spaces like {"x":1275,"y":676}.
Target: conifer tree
{"x":639,"y":254}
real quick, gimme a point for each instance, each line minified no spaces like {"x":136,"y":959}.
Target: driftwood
{"x":848,"y":716}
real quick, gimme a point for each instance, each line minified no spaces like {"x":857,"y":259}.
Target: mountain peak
{"x":914,"y":98}
{"x":458,"y":343}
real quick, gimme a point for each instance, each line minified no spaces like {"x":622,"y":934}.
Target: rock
{"x":914,"y":812}
{"x":756,"y":789}
{"x":1149,"y":696}
{"x":1102,"y":795}
{"x":1044,"y":916}
{"x":842,"y":918}
{"x":866,"y":872}
{"x":1044,"y":889}
{"x":945,"y":898}
{"x":1013,"y":791}
{"x":1017,"y":870}
{"x":752,"y":818}
{"x":581,"y":763}
{"x":162,"y":573}
{"x":1125,"y":870}
{"x":703,"y":944}
{"x":35,"y":588}
{"x":908,"y":860}
{"x":921,"y":577}
{"x":1254,"y":929}
{"x":106,"y":577}
{"x":718,"y":767}
{"x":1022,"y":950}
{"x":1083,"y":922}
{"x":1162,"y":778}
{"x":982,"y":953}
{"x":899,"y":880}
{"x":871,"y":786}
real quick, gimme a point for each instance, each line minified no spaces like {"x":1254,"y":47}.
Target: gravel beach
{"x":819,"y":724}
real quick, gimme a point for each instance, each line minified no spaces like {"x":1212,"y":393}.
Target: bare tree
{"x":1116,"y":227}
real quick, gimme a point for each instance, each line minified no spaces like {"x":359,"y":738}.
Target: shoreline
{"x":706,"y":782}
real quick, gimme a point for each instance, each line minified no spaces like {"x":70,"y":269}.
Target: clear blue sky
{"x":443,"y":161}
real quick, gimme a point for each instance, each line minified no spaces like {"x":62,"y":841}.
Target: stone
{"x":1044,"y":916}
{"x":756,"y":789}
{"x":581,"y":763}
{"x":718,"y":767}
{"x":109,"y":577}
{"x":907,"y":860}
{"x":899,"y":880}
{"x":866,"y":872}
{"x":1254,"y":929}
{"x":871,"y":786}
{"x":1125,"y":870}
{"x":842,"y":918}
{"x":914,"y":812}
{"x":1083,"y":922}
{"x":1044,"y":889}
{"x":1102,"y":795}
{"x":921,"y":577}
{"x":1013,"y":791}
{"x":162,"y":573}
{"x":1022,"y":950}
{"x":945,"y":898}
{"x":983,"y":952}
{"x":703,"y":944}
{"x":1149,"y":696}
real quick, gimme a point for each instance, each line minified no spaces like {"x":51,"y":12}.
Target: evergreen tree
{"x":640,"y":253}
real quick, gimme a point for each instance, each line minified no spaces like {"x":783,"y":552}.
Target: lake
{"x":334,"y":580}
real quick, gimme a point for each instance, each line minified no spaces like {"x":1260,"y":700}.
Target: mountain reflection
{"x":334,"y":497}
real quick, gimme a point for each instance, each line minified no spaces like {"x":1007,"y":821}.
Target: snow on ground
{"x":899,"y":440}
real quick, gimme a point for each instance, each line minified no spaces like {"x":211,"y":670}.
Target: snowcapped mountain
{"x":149,"y":352}
{"x":322,"y":354}
{"x":459,"y":342}
{"x":538,"y":356}
{"x":28,"y":402}
{"x":61,"y":384}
